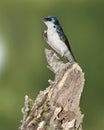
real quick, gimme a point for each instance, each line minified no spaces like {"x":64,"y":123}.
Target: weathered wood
{"x":57,"y":107}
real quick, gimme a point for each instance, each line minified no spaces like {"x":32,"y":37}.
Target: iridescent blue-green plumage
{"x":60,"y":31}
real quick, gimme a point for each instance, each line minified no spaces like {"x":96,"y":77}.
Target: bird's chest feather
{"x":54,"y":39}
{"x":55,"y":42}
{"x":53,"y":36}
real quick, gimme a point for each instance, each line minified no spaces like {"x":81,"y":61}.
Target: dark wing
{"x":64,"y":38}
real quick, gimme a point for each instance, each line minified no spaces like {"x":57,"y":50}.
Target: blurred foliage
{"x":23,"y":64}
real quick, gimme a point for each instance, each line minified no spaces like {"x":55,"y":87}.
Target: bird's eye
{"x":54,"y":27}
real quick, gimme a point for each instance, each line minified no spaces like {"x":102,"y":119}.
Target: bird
{"x":56,"y":38}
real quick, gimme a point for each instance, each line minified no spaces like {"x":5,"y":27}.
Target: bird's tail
{"x":70,"y":57}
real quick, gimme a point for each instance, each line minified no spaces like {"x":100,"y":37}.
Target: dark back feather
{"x":63,"y":38}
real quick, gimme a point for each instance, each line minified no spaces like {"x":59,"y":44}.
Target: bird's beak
{"x":44,"y":20}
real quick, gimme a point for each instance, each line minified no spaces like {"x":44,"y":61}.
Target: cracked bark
{"x":57,"y":107}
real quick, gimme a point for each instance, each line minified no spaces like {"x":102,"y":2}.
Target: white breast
{"x":55,"y":42}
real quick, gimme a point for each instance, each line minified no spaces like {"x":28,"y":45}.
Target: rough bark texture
{"x":57,"y":107}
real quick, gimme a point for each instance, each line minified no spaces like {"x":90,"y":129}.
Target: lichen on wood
{"x":57,"y":107}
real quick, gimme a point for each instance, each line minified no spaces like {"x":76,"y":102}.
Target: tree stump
{"x":57,"y":107}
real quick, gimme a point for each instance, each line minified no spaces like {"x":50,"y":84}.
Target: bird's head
{"x":51,"y":21}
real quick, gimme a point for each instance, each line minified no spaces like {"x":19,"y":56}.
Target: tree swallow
{"x":56,"y":38}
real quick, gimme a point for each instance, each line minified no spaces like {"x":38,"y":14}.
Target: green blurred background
{"x":22,"y":60}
